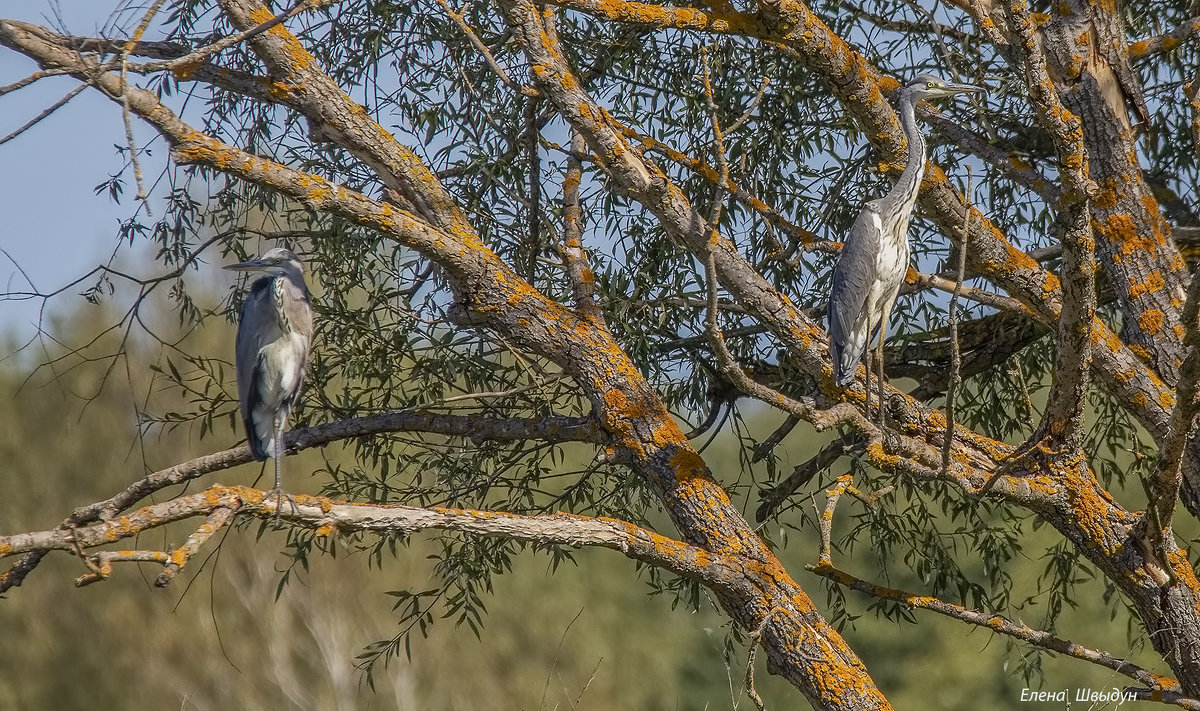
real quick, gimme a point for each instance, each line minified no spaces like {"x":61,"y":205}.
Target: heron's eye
{"x":931,"y":84}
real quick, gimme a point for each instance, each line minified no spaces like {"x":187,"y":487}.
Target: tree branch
{"x":1165,"y":42}
{"x":1063,"y":417}
{"x":996,"y":623}
{"x":579,"y":272}
{"x":1168,"y":474}
{"x":554,"y":429}
{"x":328,"y":516}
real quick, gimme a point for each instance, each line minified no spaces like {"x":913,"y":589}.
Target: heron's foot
{"x":279,"y":496}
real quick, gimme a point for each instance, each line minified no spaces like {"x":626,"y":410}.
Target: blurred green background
{"x":589,"y":636}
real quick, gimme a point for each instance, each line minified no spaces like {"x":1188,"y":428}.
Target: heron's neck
{"x":279,"y":296}
{"x":904,"y":195}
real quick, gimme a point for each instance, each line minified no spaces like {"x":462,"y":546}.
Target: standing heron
{"x":273,"y":339}
{"x":875,"y":255}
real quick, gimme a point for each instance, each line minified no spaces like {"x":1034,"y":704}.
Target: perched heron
{"x":875,"y":254}
{"x":273,"y":339}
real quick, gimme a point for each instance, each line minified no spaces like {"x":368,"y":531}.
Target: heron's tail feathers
{"x":261,"y":441}
{"x":842,"y":376}
{"x":845,"y":364}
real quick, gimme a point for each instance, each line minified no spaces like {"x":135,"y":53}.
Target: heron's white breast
{"x":891,"y":264}
{"x":282,"y":366}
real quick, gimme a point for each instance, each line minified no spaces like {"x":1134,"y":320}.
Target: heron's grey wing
{"x":852,"y":279}
{"x":298,"y":308}
{"x":257,"y":327}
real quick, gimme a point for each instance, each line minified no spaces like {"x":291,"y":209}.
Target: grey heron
{"x":875,"y":254}
{"x":273,"y":339}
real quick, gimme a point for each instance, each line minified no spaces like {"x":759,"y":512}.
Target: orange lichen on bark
{"x":1120,"y":229}
{"x":296,"y":52}
{"x":1150,"y":321}
{"x":1153,"y":283}
{"x":688,"y":466}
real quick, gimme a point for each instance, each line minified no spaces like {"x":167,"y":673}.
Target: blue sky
{"x":54,"y":225}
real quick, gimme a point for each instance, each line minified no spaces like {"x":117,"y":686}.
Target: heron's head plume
{"x":928,"y":86}
{"x":275,"y":261}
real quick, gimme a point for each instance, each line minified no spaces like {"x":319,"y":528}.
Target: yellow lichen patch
{"x":1154,"y":283}
{"x":1108,"y":195}
{"x":880,"y":459}
{"x":1139,"y":351}
{"x":1150,"y":321}
{"x":1166,"y":400}
{"x":1141,"y":399}
{"x":325,"y":529}
{"x":300,"y":58}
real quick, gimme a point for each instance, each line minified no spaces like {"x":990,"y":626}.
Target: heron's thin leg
{"x":277,"y":454}
{"x":866,"y":360}
{"x":879,"y":378}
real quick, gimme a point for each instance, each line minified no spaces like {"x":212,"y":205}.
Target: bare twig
{"x":714,"y":213}
{"x":755,"y":636}
{"x":951,"y":286}
{"x":771,"y":442}
{"x":583,"y":281}
{"x":952,"y":313}
{"x":758,"y":97}
{"x":825,"y":525}
{"x":772,"y":498}
{"x":126,"y":114}
{"x":486,"y":53}
{"x":44,"y":113}
{"x":22,"y":83}
{"x":534,"y":178}
{"x":179,"y":557}
{"x":101,"y":563}
{"x":183,"y":64}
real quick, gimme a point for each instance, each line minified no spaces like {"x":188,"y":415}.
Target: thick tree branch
{"x":1063,"y":418}
{"x":556,"y":429}
{"x":328,"y":517}
{"x":1168,"y":475}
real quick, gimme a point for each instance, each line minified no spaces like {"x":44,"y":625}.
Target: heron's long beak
{"x":950,"y":89}
{"x":249,"y":265}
